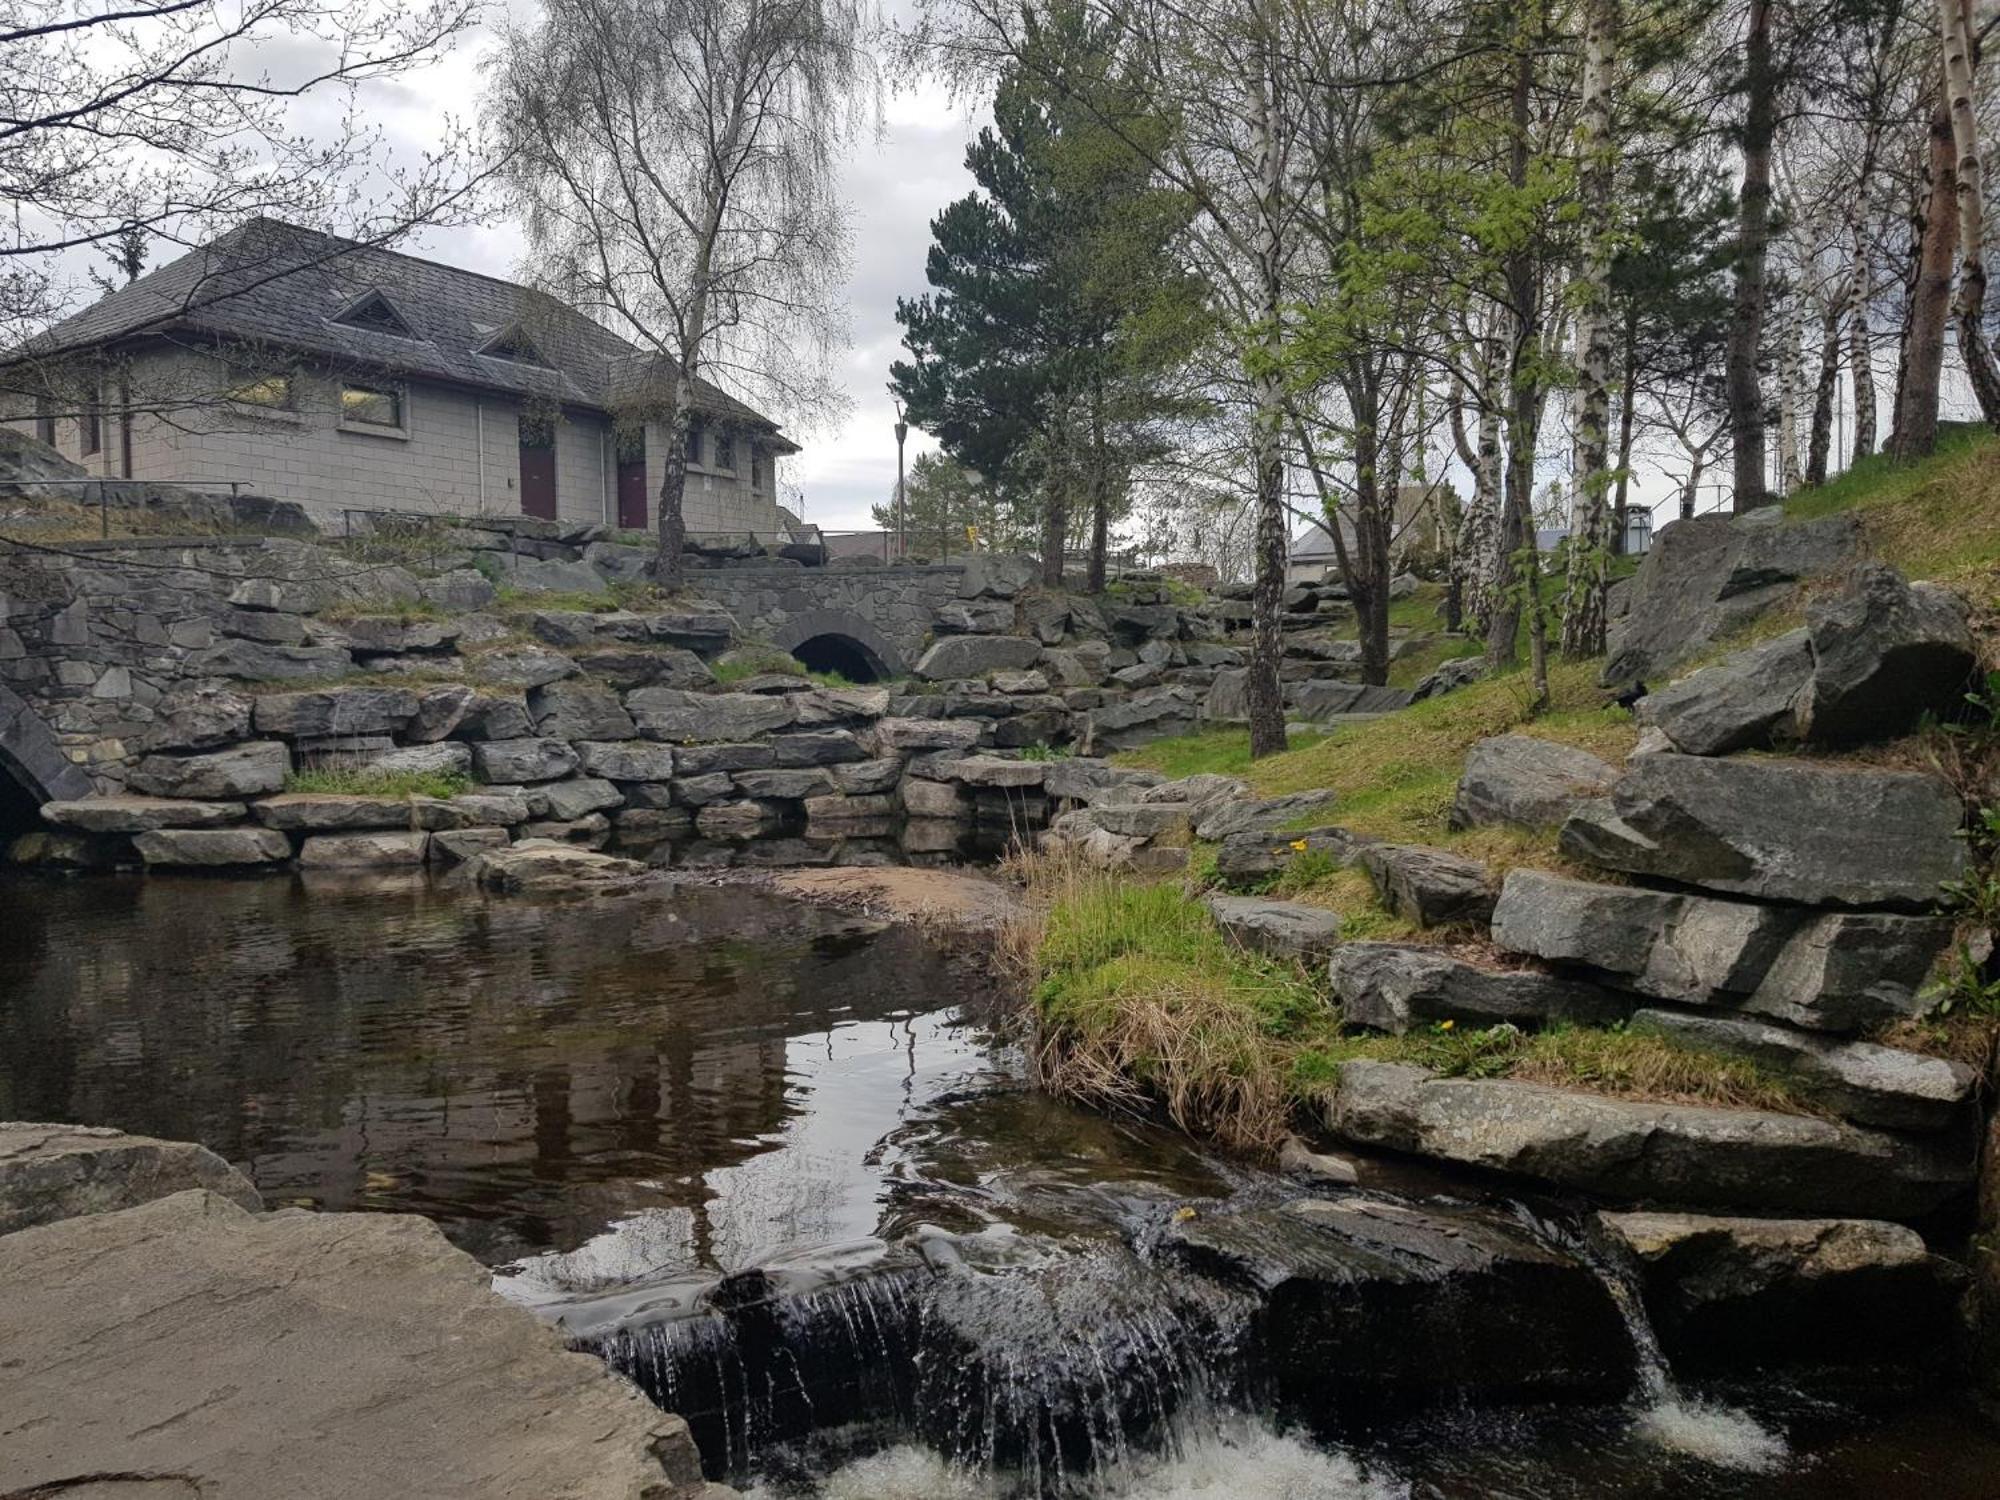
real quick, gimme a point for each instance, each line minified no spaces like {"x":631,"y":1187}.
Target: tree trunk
{"x":1100,"y":495}
{"x":1861,"y":353}
{"x":1538,"y":628}
{"x":1961,"y":70}
{"x":1479,"y":527}
{"x":669,"y":565}
{"x":1620,"y":515}
{"x":1820,"y":445}
{"x":1263,"y":688}
{"x":1786,"y":327}
{"x":1589,"y":572}
{"x":1055,"y":529}
{"x":1936,"y":236}
{"x":1692,"y":487}
{"x":1524,"y":385}
{"x":1746,"y":325}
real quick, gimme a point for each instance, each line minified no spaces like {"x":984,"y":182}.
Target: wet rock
{"x":1370,"y":1303}
{"x":682,"y":717}
{"x":1297,"y":1159}
{"x":1281,"y":929}
{"x":630,"y":760}
{"x":511,"y":761}
{"x":519,"y":667}
{"x":927,"y":734}
{"x":1731,"y":1293}
{"x":545,"y":866}
{"x":1399,"y":987}
{"x":1747,"y":700}
{"x":450,"y":758}
{"x":1431,"y":887}
{"x":1885,"y":652}
{"x":192,"y":848}
{"x":53,"y":1172}
{"x":315,"y":811}
{"x":738,"y":820}
{"x":579,"y":710}
{"x":1518,"y":780}
{"x":140,"y":814}
{"x":351,"y":1354}
{"x":1704,"y":578}
{"x":1861,"y":1081}
{"x":439,"y":713}
{"x":1780,"y":831}
{"x":1628,"y":1150}
{"x":248,"y":770}
{"x":567,"y":801}
{"x":962,"y":656}
{"x":454,"y":846}
{"x":363,"y":851}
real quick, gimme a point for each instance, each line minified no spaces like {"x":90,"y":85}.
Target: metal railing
{"x":104,"y":487}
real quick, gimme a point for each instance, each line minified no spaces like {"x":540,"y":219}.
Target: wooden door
{"x":538,"y":469}
{"x":632,"y":483}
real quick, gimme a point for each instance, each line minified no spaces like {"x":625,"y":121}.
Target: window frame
{"x":242,"y":379}
{"x":697,"y":432}
{"x":725,"y":451}
{"x":396,"y":391}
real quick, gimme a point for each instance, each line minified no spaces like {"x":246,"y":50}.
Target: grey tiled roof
{"x":272,"y":283}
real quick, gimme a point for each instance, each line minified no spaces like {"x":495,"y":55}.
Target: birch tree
{"x":675,"y":164}
{"x":1961,"y":92}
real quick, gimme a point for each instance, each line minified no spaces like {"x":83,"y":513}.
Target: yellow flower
{"x":1446,"y":1025}
{"x":1299,"y":845}
{"x":1183,"y":1214}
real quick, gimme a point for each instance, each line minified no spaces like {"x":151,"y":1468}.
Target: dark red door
{"x":538,"y":469}
{"x":632,"y":493}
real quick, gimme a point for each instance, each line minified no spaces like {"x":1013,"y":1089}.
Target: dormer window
{"x":374,"y":312}
{"x":512,"y":343}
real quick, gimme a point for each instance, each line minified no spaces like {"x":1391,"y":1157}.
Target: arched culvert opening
{"x":840,"y":654}
{"x":20,"y":809}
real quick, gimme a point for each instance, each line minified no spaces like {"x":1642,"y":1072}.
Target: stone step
{"x":1430,"y":887}
{"x":140,"y":814}
{"x":1400,"y":987}
{"x":1633,"y":1151}
{"x":1280,"y":929}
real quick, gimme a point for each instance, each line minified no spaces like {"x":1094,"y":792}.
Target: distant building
{"x":338,"y":375}
{"x":1421,"y":511}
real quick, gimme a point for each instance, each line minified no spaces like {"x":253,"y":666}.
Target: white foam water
{"x":1236,"y":1461}
{"x":1715,"y":1434}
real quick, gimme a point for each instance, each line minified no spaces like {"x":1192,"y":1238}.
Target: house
{"x":344,"y":376}
{"x":1314,"y":559}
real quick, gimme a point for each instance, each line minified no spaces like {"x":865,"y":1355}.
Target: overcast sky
{"x":893,"y":188}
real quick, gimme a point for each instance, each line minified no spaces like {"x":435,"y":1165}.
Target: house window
{"x":45,"y":420}
{"x":694,"y":440}
{"x":725,"y":450}
{"x":92,"y":424}
{"x":272,"y":390}
{"x":759,"y":469}
{"x":371,"y":406}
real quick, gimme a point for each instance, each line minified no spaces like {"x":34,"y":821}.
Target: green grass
{"x":1218,"y":752}
{"x":364,"y":782}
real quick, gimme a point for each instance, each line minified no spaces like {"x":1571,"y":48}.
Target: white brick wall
{"x":306,"y":456}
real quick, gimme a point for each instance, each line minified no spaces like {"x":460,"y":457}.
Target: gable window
{"x":725,"y":449}
{"x":371,"y":406}
{"x":265,"y":388}
{"x":514,"y":345}
{"x":696,"y":431}
{"x":374,"y":312}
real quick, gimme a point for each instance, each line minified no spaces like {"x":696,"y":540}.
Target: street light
{"x":902,"y":432}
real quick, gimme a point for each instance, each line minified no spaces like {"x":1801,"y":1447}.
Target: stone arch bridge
{"x":865,"y":623}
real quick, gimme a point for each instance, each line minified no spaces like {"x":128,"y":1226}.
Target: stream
{"x":767,"y":1159}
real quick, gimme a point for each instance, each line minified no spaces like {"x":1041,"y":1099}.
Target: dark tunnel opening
{"x":841,"y":654}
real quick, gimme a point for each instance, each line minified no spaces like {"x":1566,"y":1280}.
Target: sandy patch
{"x":958,"y":897}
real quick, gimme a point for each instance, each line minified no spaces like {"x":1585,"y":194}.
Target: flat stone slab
{"x":1396,"y":987}
{"x":1629,"y":1150}
{"x":50,"y":1172}
{"x":140,"y":814}
{"x":544,"y":865}
{"x":1282,"y":929}
{"x":211,"y":848}
{"x":316,"y":811}
{"x":313,"y":1356}
{"x":1736,"y":1292}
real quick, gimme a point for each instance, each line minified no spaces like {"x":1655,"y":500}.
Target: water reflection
{"x":715,"y":1065}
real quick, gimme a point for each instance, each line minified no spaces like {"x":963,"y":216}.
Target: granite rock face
{"x":51,"y":1172}
{"x":1885,"y":652}
{"x":1526,"y":782}
{"x":1399,"y":987}
{"x":1431,"y":887}
{"x":1747,"y":700}
{"x":1778,"y":831}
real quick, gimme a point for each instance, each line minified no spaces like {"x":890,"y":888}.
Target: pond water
{"x":614,"y":1102}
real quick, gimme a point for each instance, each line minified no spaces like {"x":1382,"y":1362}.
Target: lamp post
{"x":902,"y":432}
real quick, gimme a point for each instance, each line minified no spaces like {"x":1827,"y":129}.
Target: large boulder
{"x":548,"y":867}
{"x":993,"y":575}
{"x":1706,"y":577}
{"x":1778,"y":830}
{"x":1261,"y":815}
{"x":1631,"y":1150}
{"x":681,"y":717}
{"x":1526,"y":782}
{"x":1861,"y":1081}
{"x":51,"y":1172}
{"x":1244,"y":858}
{"x":1400,"y":987}
{"x":962,"y":656}
{"x":1726,"y":1293}
{"x":213,"y":848}
{"x":247,"y":770}
{"x":1372,"y":1303}
{"x":1281,"y":929}
{"x":1847,"y":971}
{"x":1747,"y":700}
{"x":1885,"y":652}
{"x":1430,"y":887}
{"x":140,"y":814}
{"x":1139,"y":719}
{"x":186,"y":1347}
